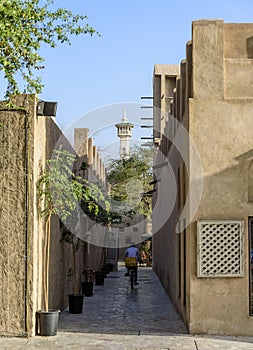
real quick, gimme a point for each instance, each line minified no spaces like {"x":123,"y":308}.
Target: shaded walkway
{"x":116,"y":318}
{"x":116,"y":309}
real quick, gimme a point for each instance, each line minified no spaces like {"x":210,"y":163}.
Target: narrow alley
{"x":116,"y":317}
{"x":116,"y":309}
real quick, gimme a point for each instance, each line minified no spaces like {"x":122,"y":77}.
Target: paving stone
{"x":118,"y":318}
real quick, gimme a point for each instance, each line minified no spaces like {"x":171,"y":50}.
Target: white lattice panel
{"x":220,"y":248}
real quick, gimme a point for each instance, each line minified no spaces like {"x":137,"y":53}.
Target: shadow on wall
{"x":249,"y":46}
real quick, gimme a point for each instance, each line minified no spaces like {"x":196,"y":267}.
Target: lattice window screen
{"x":220,"y":248}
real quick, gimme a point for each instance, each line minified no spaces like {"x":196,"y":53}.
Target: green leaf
{"x":27,"y":24}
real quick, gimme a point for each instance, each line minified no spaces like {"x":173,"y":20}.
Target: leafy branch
{"x":25,"y":25}
{"x":124,"y":176}
{"x":62,"y":193}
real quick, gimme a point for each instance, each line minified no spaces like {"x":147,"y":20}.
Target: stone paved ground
{"x":120,"y":319}
{"x":116,"y":309}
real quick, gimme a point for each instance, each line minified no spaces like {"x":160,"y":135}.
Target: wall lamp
{"x":47,"y":109}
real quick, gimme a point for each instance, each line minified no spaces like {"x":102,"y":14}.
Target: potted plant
{"x":59,"y":191}
{"x":87,"y":284}
{"x":97,"y":207}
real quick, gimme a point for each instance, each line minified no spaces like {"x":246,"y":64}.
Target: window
{"x":220,"y":248}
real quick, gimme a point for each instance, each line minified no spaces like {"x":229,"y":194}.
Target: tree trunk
{"x":76,"y":292}
{"x":46,"y":263}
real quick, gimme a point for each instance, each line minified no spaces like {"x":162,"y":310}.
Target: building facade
{"x":202,"y":207}
{"x":27,"y":140}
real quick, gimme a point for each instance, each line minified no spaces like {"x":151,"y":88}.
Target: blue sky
{"x":118,"y":66}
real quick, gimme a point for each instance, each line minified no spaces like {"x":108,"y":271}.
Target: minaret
{"x":124,"y":133}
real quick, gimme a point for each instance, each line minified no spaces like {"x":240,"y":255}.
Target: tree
{"x":61,"y":192}
{"x":129,"y":179}
{"x":25,"y":25}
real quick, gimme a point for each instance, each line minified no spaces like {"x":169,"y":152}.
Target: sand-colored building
{"x":203,"y":161}
{"x":27,"y":140}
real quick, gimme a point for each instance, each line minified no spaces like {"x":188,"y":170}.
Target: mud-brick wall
{"x":26,"y":142}
{"x":13,"y":223}
{"x":45,"y":136}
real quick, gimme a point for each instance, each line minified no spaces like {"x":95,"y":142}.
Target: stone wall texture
{"x":26,"y":142}
{"x":13,"y":221}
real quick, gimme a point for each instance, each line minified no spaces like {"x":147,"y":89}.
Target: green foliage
{"x":84,"y":166}
{"x":96,"y":205}
{"x":69,"y":232}
{"x":27,"y":24}
{"x":62,"y":192}
{"x":129,"y":179}
{"x":59,"y":188}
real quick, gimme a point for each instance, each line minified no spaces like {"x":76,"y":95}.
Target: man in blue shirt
{"x":132,"y":252}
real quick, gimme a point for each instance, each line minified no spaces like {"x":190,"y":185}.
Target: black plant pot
{"x":110,"y":267}
{"x":47,"y":322}
{"x":75,"y":303}
{"x":99,"y":278}
{"x":106,"y":269}
{"x":87,"y":289}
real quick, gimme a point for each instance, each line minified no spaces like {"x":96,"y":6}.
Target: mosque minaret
{"x":124,"y":133}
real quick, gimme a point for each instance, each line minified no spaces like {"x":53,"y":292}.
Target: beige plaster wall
{"x":217,"y":111}
{"x":46,"y":137}
{"x":164,"y":81}
{"x":238,"y":40}
{"x":221,"y":130}
{"x":207,"y":59}
{"x":238,"y":60}
{"x":26,"y":141}
{"x":221,"y":305}
{"x":169,"y":256}
{"x":169,"y":245}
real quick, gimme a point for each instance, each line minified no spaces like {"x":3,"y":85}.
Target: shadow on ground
{"x":116,"y":309}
